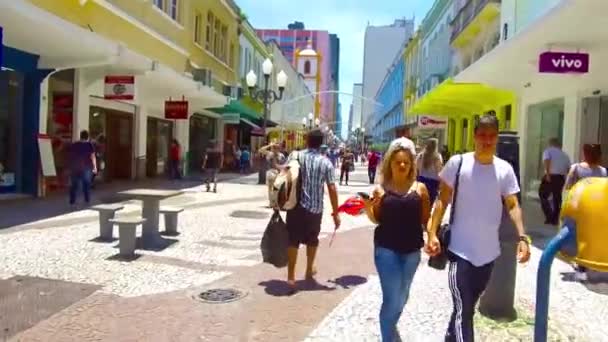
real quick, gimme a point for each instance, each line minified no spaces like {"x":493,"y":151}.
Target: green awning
{"x":236,"y":107}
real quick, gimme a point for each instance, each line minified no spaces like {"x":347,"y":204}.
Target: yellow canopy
{"x":461,"y":99}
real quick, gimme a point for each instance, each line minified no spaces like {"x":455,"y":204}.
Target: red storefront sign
{"x":176,"y":110}
{"x":119,"y":88}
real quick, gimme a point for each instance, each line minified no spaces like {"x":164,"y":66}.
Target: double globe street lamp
{"x":266,"y":97}
{"x":309,"y":122}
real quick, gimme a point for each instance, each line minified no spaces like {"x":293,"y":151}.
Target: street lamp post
{"x":266,"y":97}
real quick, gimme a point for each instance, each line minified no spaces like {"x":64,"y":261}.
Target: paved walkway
{"x":59,"y":284}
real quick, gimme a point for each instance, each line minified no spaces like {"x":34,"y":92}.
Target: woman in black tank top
{"x":400,"y":207}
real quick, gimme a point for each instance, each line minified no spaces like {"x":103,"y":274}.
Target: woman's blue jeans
{"x":396,"y":272}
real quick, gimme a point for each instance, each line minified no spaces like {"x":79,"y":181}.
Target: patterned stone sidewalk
{"x":577,"y":314}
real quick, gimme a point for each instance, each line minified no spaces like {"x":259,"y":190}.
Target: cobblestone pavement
{"x":219,"y":247}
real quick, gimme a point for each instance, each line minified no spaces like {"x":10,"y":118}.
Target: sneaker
{"x":215,"y":190}
{"x":581,"y":276}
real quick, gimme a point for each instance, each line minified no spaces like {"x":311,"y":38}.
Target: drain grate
{"x":249,"y":214}
{"x":217,"y":296}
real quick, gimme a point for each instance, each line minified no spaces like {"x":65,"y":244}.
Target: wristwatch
{"x":525,"y":238}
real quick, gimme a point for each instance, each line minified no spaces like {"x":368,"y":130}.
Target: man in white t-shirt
{"x":486,"y":183}
{"x":556,"y":165}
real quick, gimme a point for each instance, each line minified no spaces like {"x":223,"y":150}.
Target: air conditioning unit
{"x":205,"y":76}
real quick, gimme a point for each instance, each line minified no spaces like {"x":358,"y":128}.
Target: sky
{"x":346,"y":18}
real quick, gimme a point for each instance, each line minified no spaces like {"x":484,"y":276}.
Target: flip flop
{"x":292,"y":287}
{"x":312,"y":275}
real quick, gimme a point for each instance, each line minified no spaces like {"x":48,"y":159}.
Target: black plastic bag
{"x":275,"y":242}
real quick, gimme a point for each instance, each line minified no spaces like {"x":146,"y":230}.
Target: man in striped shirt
{"x":304,"y":221}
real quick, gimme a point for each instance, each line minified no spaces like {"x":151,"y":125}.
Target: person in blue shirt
{"x":245,"y":160}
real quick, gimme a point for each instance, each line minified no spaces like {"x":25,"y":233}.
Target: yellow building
{"x":163,"y":49}
{"x":410,"y":89}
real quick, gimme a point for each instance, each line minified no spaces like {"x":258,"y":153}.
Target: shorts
{"x":210,"y":175}
{"x":303,"y":227}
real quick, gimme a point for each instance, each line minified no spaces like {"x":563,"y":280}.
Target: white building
{"x":355,"y":118}
{"x":566,"y":101}
{"x":382,"y":43}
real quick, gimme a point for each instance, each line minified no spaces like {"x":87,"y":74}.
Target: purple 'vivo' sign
{"x":563,"y":62}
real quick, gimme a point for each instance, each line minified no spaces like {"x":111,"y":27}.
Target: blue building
{"x":388,"y":115}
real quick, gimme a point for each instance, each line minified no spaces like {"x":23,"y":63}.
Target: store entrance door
{"x":160,"y":135}
{"x":119,"y":147}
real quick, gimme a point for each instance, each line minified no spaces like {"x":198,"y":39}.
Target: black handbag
{"x":444,"y":233}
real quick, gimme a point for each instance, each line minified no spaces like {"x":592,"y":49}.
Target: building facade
{"x":381,"y":45}
{"x":334,"y":46}
{"x":293,"y":40}
{"x":57,"y":74}
{"x":435,"y":60}
{"x":356,"y":119}
{"x":389,"y":114}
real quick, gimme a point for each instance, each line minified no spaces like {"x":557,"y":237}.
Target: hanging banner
{"x":426,"y":122}
{"x":47,"y":162}
{"x":176,"y":110}
{"x":119,"y":88}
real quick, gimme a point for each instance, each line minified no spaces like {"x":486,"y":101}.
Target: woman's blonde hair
{"x":398,"y":145}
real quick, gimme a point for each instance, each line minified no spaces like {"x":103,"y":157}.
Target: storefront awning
{"x":162,"y":82}
{"x":59,"y":43}
{"x":239,"y":108}
{"x":461,"y":99}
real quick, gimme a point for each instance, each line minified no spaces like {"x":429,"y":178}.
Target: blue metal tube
{"x":543,"y":280}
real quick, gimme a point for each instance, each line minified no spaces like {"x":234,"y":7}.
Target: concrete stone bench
{"x":170,"y":214}
{"x":106,"y":213}
{"x":127,"y":228}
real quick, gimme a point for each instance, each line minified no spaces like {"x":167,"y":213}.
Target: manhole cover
{"x":221,"y":295}
{"x":250,"y":214}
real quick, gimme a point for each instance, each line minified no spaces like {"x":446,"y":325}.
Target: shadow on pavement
{"x":348,"y":281}
{"x":279,"y":288}
{"x":597,"y":281}
{"x":121,"y":258}
{"x":160,"y":245}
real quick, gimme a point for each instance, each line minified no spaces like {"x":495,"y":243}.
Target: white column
{"x":572,"y":126}
{"x":139,"y":145}
{"x":522,"y":129}
{"x":81,"y":103}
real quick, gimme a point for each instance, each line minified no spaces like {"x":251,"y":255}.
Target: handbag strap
{"x":455,"y":194}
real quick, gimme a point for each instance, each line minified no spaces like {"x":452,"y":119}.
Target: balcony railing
{"x":466,"y":15}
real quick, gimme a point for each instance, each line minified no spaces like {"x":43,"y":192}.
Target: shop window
{"x":198,"y":21}
{"x":174,"y":9}
{"x":11,"y":113}
{"x":224,"y":44}
{"x":216,"y":37}
{"x":160,"y":4}
{"x":209,"y":34}
{"x":231,"y":56}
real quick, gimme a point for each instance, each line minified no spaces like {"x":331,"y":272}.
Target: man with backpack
{"x":304,"y":220}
